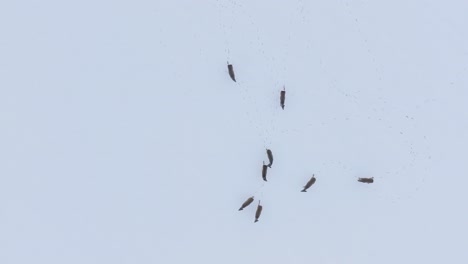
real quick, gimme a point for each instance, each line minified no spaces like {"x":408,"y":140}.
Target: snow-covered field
{"x":123,"y":139}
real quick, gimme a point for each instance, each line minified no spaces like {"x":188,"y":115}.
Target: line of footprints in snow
{"x":270,"y":159}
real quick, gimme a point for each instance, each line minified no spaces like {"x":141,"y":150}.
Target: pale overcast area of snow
{"x":123,"y":139}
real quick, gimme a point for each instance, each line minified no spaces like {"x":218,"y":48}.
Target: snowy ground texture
{"x":123,"y":139}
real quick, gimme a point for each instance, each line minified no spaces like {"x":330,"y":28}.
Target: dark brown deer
{"x":270,"y":157}
{"x":231,"y":72}
{"x":264,"y":171}
{"x":309,"y":183}
{"x":258,"y":212}
{"x":282,"y":97}
{"x":366,"y":180}
{"x":246,"y":203}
